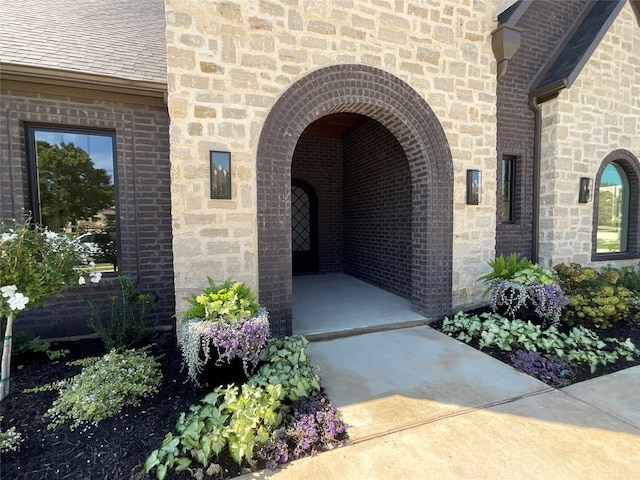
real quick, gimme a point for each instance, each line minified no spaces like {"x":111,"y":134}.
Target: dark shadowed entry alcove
{"x":406,"y":115}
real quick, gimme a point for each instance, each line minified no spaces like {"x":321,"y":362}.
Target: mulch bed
{"x":621,"y":330}
{"x":116,"y":448}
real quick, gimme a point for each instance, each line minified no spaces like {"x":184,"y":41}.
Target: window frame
{"x":512,"y":160}
{"x":627,"y":164}
{"x":30,"y":130}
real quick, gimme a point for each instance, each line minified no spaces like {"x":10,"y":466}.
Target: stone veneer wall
{"x":142,"y":149}
{"x":229,"y":62}
{"x":597,"y":115}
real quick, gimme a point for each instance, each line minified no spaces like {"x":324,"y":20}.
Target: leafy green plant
{"x":34,"y":264}
{"x":104,"y":386}
{"x":506,"y":268}
{"x":22,"y":344}
{"x":127,"y":324}
{"x":230,"y":302}
{"x":288,"y":365}
{"x":629,"y":277}
{"x":233,"y":418}
{"x":595,"y":299}
{"x":579,"y":345}
{"x":225,"y":321}
{"x":10,"y":439}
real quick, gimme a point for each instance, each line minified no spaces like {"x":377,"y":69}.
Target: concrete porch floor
{"x":333,"y":305}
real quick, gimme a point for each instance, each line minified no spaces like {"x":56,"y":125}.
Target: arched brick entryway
{"x":387,"y":99}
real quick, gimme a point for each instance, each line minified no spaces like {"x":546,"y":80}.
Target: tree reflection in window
{"x":613,"y":204}
{"x":73,"y":188}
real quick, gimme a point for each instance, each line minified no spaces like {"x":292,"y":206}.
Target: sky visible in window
{"x":610,"y":176}
{"x":99,"y":147}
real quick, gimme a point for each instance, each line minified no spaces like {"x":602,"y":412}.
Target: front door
{"x":304,"y":228}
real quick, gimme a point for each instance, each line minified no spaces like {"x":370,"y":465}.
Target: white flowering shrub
{"x":104,"y":387}
{"x":34,"y":264}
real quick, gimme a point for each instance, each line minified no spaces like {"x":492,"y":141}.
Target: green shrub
{"x":10,"y":439}
{"x":595,"y":299}
{"x":230,"y":301}
{"x":22,"y":344}
{"x":126,"y":324}
{"x":630,"y":279}
{"x":103,"y":387}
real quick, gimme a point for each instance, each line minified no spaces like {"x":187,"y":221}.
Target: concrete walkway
{"x":422,"y":405}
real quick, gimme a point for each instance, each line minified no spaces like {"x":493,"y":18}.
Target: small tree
{"x":34,"y":264}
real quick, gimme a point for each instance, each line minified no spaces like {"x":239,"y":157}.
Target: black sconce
{"x":220,"y":175}
{"x":585,"y":190}
{"x":474,"y":187}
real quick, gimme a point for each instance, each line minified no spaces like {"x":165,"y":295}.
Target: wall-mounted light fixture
{"x":584,"y":194}
{"x":474,"y":187}
{"x":220,"y":175}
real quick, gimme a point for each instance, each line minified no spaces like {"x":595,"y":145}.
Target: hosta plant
{"x":103,"y":388}
{"x":232,"y":418}
{"x":287,"y":364}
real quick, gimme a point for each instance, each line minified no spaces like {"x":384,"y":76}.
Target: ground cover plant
{"x":583,"y":326}
{"x":134,"y":413}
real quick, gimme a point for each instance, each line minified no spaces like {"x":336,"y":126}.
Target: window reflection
{"x":73,"y":183}
{"x":612,"y":210}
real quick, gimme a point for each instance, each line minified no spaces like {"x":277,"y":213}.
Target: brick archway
{"x":393,"y":103}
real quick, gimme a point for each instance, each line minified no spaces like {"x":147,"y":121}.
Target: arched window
{"x":616,"y":207}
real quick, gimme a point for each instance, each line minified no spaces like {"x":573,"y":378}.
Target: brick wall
{"x":377,"y":206}
{"x":144,"y":202}
{"x":318,"y":162}
{"x":544,"y":24}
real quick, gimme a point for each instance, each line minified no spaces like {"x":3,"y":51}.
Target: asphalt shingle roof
{"x":568,"y":64}
{"x":116,"y":38}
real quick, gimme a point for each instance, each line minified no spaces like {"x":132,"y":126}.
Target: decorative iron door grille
{"x":304,"y":228}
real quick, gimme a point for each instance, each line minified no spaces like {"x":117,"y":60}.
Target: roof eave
{"x":11,"y":71}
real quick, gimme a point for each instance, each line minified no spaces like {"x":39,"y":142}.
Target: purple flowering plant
{"x":312,"y":425}
{"x":546,"y":300}
{"x":520,"y":287}
{"x":550,"y":369}
{"x":227,"y":320}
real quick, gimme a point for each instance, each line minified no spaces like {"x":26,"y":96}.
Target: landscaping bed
{"x":621,"y":330}
{"x":115,"y":447}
